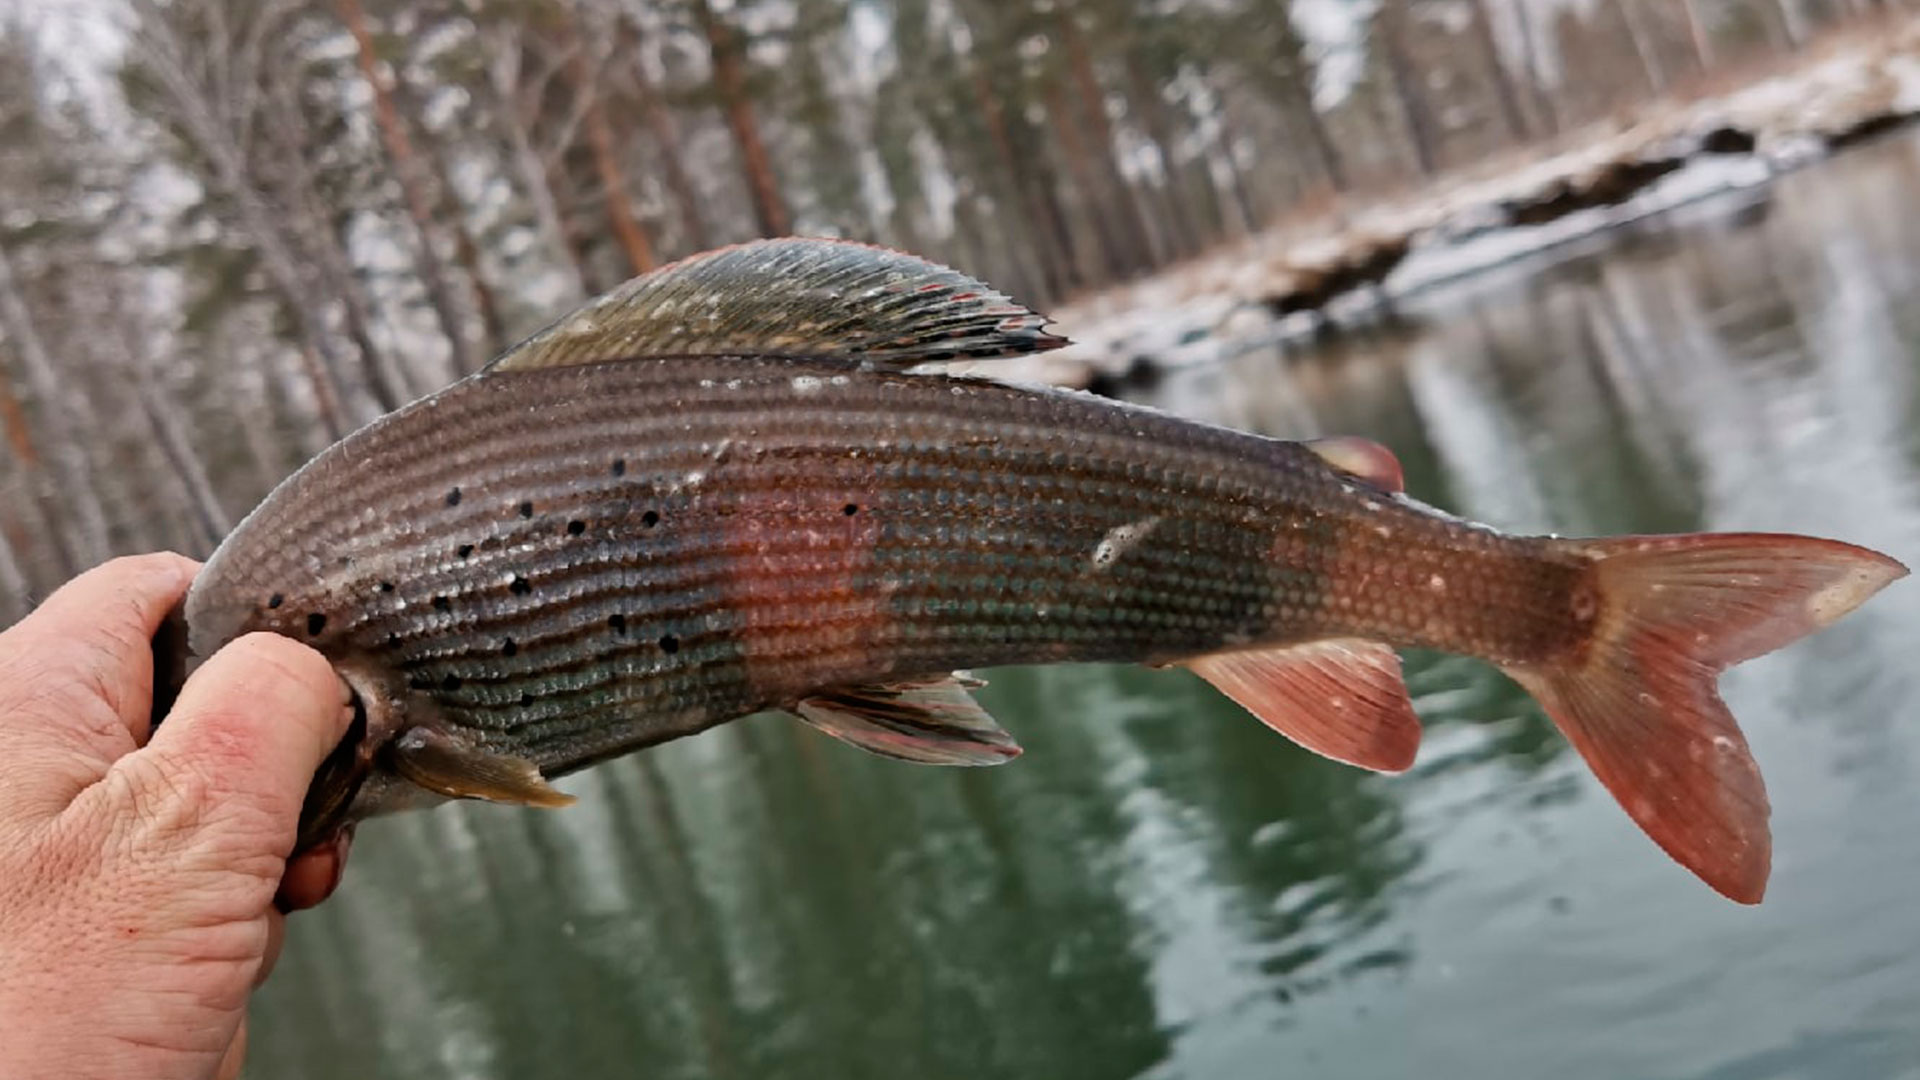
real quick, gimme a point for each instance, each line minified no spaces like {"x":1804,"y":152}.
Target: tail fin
{"x":1639,"y":701}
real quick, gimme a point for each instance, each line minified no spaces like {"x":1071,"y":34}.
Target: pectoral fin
{"x":451,"y":766}
{"x":932,"y":723}
{"x":1342,"y":698}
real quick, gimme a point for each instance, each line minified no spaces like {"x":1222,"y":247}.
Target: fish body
{"x":631,"y":529}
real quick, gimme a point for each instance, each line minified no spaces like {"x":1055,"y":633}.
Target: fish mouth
{"x":327,"y":807}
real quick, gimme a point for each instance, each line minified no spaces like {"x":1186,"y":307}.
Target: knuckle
{"x":169,"y":798}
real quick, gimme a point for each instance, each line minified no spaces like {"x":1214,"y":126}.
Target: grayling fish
{"x":721,"y":489}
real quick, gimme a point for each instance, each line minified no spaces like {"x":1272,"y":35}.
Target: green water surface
{"x":1161,"y":887}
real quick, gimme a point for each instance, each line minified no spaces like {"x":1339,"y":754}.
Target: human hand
{"x":138,"y":878}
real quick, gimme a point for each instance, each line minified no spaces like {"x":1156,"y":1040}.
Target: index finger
{"x":77,"y":673}
{"x":249,"y":731}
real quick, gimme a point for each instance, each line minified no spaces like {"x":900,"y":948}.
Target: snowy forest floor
{"x":1301,"y":278}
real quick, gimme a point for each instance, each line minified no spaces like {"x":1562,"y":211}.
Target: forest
{"x":237,"y":229}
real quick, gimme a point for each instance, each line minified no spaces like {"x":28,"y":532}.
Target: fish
{"x":745,"y":483}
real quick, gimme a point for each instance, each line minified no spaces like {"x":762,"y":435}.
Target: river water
{"x":1163,"y":888}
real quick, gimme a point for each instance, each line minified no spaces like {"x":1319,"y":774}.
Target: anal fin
{"x":933,"y":722}
{"x":1342,"y":698}
{"x":453,"y":767}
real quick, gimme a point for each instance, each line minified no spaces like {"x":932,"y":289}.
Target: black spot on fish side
{"x":453,"y":497}
{"x":441,"y":603}
{"x":526,"y":509}
{"x":386,"y":586}
{"x":576,"y":527}
{"x":276,"y":600}
{"x":669,"y":644}
{"x":850,"y":509}
{"x":393,"y":641}
{"x":464,"y":550}
{"x":316,"y":622}
{"x":649,"y":519}
{"x":450,"y":682}
{"x":617,"y":622}
{"x":619,"y":466}
{"x":526,"y":698}
{"x":518,"y":586}
{"x":509,"y":647}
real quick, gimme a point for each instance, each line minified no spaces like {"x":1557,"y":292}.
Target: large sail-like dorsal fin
{"x":792,"y":297}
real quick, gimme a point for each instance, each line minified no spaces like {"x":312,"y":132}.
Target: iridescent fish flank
{"x":724,"y":488}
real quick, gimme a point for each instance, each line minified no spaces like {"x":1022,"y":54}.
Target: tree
{"x":209,"y":82}
{"x":415,"y":188}
{"x":600,"y":138}
{"x":727,"y":51}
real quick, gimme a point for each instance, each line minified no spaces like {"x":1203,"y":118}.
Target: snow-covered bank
{"x":1296,"y":281}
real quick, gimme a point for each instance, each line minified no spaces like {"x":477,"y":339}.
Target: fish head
{"x":357,"y":780}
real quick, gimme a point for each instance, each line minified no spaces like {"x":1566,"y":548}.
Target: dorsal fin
{"x":791,"y":297}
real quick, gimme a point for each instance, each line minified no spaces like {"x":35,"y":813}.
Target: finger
{"x":312,"y":875}
{"x":250,"y":729}
{"x":76,"y":674}
{"x":276,"y":939}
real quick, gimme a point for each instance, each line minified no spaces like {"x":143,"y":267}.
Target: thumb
{"x":249,"y":730}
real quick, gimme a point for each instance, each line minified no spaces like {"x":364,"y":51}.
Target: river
{"x":1163,"y":888}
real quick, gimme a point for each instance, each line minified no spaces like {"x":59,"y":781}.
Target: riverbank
{"x":1302,"y":280}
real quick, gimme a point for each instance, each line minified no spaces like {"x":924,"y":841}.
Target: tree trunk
{"x":454,"y":213}
{"x":68,"y":418}
{"x":27,"y":518}
{"x":1227,"y":172}
{"x":203,"y":121}
{"x":1093,"y":103}
{"x":1643,"y":45}
{"x":1085,"y":192}
{"x":1530,"y":51}
{"x":413,"y":189}
{"x":1150,"y":112}
{"x":606,"y":162}
{"x":1055,"y":256}
{"x":666,"y":139}
{"x":16,"y":596}
{"x":326,"y":249}
{"x":13,"y":423}
{"x":503,"y":75}
{"x":1793,"y":22}
{"x":728,"y":50}
{"x":1296,"y":77}
{"x":1503,"y":88}
{"x":169,"y":428}
{"x":1407,"y":89}
{"x":1698,"y":32}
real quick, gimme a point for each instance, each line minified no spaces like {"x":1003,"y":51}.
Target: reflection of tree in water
{"x":776,"y":906}
{"x":919,"y":922}
{"x":763,"y":902}
{"x":1308,"y":851}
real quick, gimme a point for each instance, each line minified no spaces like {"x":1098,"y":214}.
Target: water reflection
{"x":1160,"y":886}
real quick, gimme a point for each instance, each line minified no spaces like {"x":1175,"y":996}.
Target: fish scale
{"x":631,"y":527}
{"x":1048,"y":519}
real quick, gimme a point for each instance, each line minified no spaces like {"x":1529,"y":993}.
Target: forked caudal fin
{"x":1638,"y":699}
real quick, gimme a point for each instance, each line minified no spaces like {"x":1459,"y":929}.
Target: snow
{"x":1215,"y":306}
{"x":1431,"y":266}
